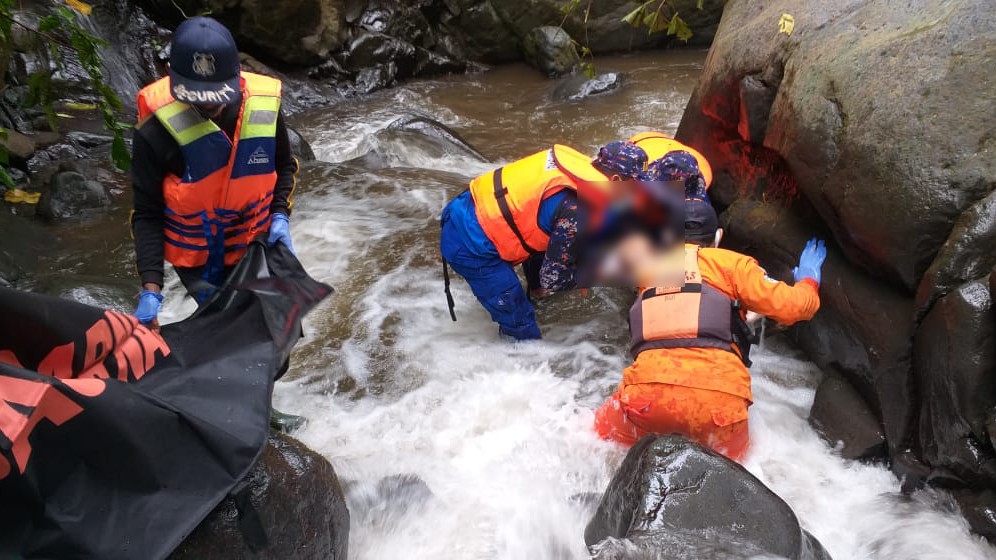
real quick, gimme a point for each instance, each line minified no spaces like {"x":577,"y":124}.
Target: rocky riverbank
{"x":872,"y":124}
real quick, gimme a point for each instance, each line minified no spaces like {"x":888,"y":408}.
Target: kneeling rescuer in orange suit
{"x":690,"y":374}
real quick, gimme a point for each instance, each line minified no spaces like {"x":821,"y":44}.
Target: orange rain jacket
{"x":740,"y":278}
{"x":701,"y":392}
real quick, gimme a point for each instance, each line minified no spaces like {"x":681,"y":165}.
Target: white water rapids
{"x":501,"y":434}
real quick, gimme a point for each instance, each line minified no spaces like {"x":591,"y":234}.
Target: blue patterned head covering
{"x":678,"y":165}
{"x":625,"y":159}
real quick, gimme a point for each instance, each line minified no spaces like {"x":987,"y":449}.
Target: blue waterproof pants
{"x":494,"y":282}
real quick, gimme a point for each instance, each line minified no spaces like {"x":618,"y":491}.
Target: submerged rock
{"x":445,"y":137}
{"x":842,"y":417}
{"x":26,"y":239}
{"x":551,"y":50}
{"x":70,"y":194}
{"x":673,"y":499}
{"x":300,"y":505}
{"x":581,"y":87}
{"x":300,"y":147}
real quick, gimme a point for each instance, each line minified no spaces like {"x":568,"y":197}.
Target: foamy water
{"x":501,"y":434}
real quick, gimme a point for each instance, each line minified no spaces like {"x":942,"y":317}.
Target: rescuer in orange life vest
{"x":689,"y":335}
{"x":541,"y":206}
{"x":212,"y":167}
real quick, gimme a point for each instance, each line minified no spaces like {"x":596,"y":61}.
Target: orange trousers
{"x":711,"y":418}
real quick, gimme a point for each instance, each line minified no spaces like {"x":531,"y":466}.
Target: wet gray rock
{"x":551,"y":50}
{"x":300,"y":504}
{"x":969,"y":252}
{"x":428,"y":63}
{"x":445,"y":138}
{"x":18,"y":146}
{"x":378,"y":77}
{"x":375,"y":49}
{"x":61,"y":152}
{"x":954,"y":359}
{"x":300,"y":147}
{"x":70,"y":195}
{"x":576,"y":88}
{"x":674,"y":499}
{"x":843,"y":418}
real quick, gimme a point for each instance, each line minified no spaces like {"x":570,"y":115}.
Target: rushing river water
{"x":501,"y":433}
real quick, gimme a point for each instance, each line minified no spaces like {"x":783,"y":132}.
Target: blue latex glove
{"x":149,"y":303}
{"x":811,"y":261}
{"x":280,"y":232}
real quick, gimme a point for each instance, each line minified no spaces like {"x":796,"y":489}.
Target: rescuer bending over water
{"x":689,"y":334}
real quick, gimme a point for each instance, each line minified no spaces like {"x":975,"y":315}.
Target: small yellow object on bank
{"x":81,"y":7}
{"x":786,"y":24}
{"x":77,"y":106}
{"x":17,"y":196}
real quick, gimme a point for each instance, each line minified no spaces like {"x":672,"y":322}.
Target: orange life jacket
{"x":688,"y":313}
{"x":658,"y":144}
{"x":222,"y":201}
{"x":507,"y":200}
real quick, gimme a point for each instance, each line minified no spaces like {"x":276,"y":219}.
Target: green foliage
{"x":60,"y":28}
{"x":5,"y":177}
{"x":655,"y":20}
{"x":645,"y":15}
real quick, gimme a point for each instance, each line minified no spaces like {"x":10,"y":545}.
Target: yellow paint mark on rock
{"x":786,"y":24}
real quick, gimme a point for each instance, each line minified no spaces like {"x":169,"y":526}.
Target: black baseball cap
{"x":204,"y":63}
{"x":701,"y":221}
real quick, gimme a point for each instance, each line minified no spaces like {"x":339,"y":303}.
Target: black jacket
{"x":156,"y":154}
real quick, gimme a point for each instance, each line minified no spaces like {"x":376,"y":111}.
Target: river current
{"x":493,"y":440}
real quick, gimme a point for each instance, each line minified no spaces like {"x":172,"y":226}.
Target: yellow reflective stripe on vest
{"x":259,"y":117}
{"x":184,"y":123}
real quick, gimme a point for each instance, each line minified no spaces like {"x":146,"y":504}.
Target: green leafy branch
{"x":654,"y":19}
{"x":587,"y":63}
{"x":60,"y":28}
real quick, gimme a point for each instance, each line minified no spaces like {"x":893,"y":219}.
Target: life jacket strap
{"x":446,"y":288}
{"x":500,"y":196}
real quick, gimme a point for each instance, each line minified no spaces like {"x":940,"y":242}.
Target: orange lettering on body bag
{"x":134,"y":348}
{"x":45,"y":402}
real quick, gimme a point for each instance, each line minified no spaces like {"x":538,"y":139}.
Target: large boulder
{"x":863,"y":330}
{"x":954,"y":361}
{"x":871,"y":124}
{"x":675,"y":499}
{"x":300,"y":507}
{"x":551,"y":50}
{"x":870,"y":148}
{"x":295,"y":32}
